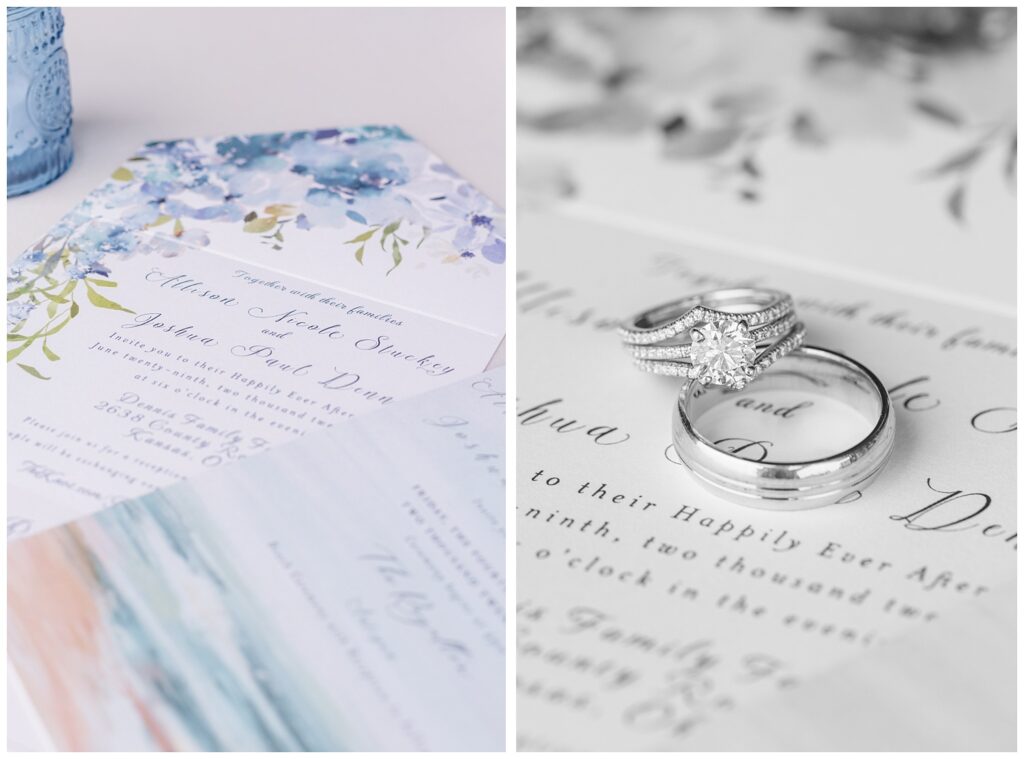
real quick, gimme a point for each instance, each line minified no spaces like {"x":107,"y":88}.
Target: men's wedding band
{"x":787,"y":486}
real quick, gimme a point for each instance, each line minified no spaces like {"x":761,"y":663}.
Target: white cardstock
{"x":648,"y":606}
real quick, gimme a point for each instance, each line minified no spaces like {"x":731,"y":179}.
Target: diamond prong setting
{"x":724,"y":354}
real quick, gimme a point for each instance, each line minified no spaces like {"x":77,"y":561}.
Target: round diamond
{"x":722,"y":353}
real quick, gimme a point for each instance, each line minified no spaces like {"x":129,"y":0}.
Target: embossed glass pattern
{"x":38,"y":99}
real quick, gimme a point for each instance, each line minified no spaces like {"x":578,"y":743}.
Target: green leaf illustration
{"x":396,"y":256}
{"x":102,"y":282}
{"x":13,"y":353}
{"x":33,"y":371}
{"x":955,"y":202}
{"x":50,"y":265}
{"x":939,"y":111}
{"x":74,"y":310}
{"x":359,"y":253}
{"x":123,"y":175}
{"x":250,"y":216}
{"x":98,"y":300}
{"x":49,"y":353}
{"x":389,"y":229}
{"x":701,"y":144}
{"x":364,"y":236}
{"x":260,"y":225}
{"x":279,"y":209}
{"x":51,"y":330}
{"x":161,"y":219}
{"x":957,"y":162}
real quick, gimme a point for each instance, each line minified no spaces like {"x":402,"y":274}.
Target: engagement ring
{"x":734,"y":335}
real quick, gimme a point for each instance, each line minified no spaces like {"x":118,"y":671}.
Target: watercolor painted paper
{"x":344,"y":591}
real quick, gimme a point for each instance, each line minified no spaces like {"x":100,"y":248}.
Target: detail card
{"x":342,"y":592}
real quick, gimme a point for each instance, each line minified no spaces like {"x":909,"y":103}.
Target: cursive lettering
{"x":913,"y":401}
{"x":266,"y":354}
{"x":765,"y":407}
{"x":184,"y":332}
{"x":185,"y":284}
{"x":970,"y":338}
{"x":1005,"y":420}
{"x":382,"y":317}
{"x":600,"y":434}
{"x":954,"y":508}
{"x":294,"y":318}
{"x":382,"y":346}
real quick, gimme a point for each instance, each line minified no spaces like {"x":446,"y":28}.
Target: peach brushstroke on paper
{"x":66,"y":656}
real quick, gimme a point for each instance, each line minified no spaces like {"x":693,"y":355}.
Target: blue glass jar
{"x":38,"y":99}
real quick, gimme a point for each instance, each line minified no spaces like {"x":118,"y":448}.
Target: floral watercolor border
{"x":374,"y":184}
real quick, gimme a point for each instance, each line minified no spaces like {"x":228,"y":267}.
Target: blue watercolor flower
{"x":494,"y":251}
{"x":350,"y":174}
{"x":472,"y":221}
{"x":259,"y":151}
{"x":17,"y":312}
{"x":369,"y":177}
{"x":373,"y":133}
{"x":101,"y":238}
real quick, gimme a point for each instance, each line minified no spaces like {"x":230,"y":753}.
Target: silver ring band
{"x":754,"y":305}
{"x":785,"y":486}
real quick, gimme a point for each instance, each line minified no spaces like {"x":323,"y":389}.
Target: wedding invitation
{"x":649,"y":608}
{"x":344,"y":591}
{"x":216,"y":297}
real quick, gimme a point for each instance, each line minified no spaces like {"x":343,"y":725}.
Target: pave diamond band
{"x":754,"y":305}
{"x":709,"y":373}
{"x":675,"y":352}
{"x":790,"y":485}
{"x":729,"y":335}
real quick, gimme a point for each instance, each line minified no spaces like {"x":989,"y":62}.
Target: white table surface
{"x":144,"y":74}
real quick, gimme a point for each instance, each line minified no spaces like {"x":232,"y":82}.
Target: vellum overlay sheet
{"x":342,"y":592}
{"x":649,"y":608}
{"x":216,"y":297}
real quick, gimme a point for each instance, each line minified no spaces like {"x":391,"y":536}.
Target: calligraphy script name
{"x":546,"y":414}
